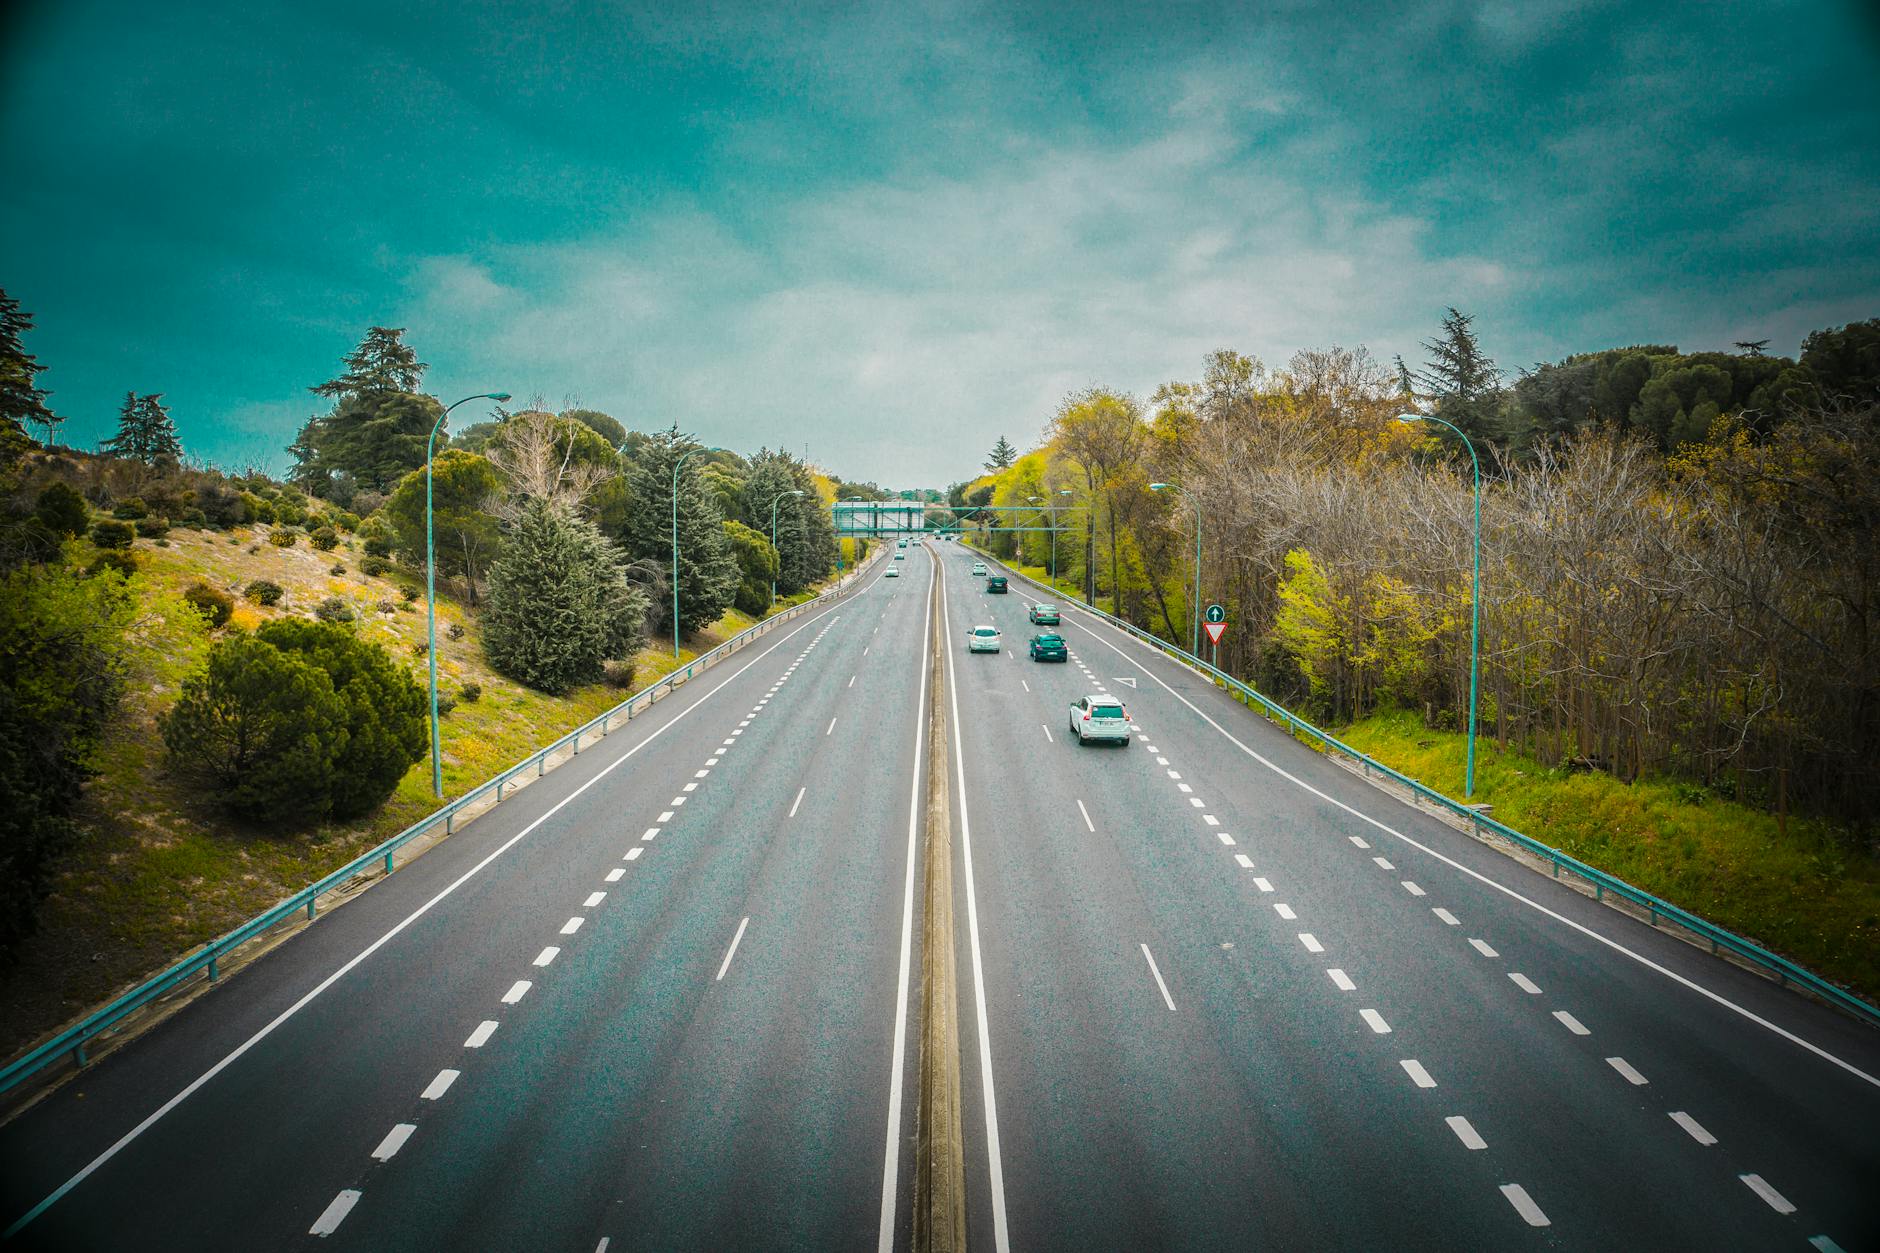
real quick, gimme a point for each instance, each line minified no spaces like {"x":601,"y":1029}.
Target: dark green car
{"x":996,"y":585}
{"x":1049,"y":648}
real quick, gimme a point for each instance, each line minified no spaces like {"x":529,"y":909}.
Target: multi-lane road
{"x":1214,"y":992}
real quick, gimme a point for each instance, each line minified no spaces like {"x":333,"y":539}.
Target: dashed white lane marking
{"x":701,"y":774}
{"x":1632,"y":1076}
{"x":1173,"y":774}
{"x":1285,"y":911}
{"x":1311,"y":942}
{"x":1160,"y":761}
{"x":1383,"y":863}
{"x":1570,"y":1022}
{"x":1246,"y":862}
{"x":594,"y":898}
{"x":715,"y":758}
{"x":666,"y":817}
{"x":1693,"y":1128}
{"x":1024,"y":685}
{"x":1375,"y":1021}
{"x":517,"y":990}
{"x":798,"y":800}
{"x":1342,"y":980}
{"x":1197,"y":802}
{"x":547,"y":955}
{"x":1210,"y":819}
{"x":440,"y":1085}
{"x":1418,"y":1075}
{"x":633,"y":854}
{"x":651,"y":833}
{"x":1824,"y":1245}
{"x":691,"y":787}
{"x":1524,"y":1205}
{"x":727,"y":744}
{"x":1047,"y":733}
{"x":851,"y":680}
{"x":832,"y":726}
{"x":602,"y":1246}
{"x":394,"y":1140}
{"x":864,"y":650}
{"x":1413,"y":889}
{"x":1183,"y":787}
{"x":733,"y":950}
{"x":1226,"y":838}
{"x":1262,"y":884}
{"x":1760,"y":1186}
{"x":1360,"y":841}
{"x":1481,"y":946}
{"x":1524,"y":983}
{"x":1471,"y":1139}
{"x":335,"y":1213}
{"x":613,"y":876}
{"x":481,"y":1035}
{"x":1446,"y":916}
{"x":572,"y":925}
{"x":1086,"y":813}
{"x":1152,"y":748}
{"x":677,"y":801}
{"x":1167,"y":999}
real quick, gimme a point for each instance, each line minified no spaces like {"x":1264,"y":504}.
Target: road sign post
{"x":1216,"y":627}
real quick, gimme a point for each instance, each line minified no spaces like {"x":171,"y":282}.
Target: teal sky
{"x":893,"y":232}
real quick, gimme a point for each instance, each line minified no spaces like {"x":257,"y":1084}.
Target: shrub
{"x":106,"y":533}
{"x":131,"y":509}
{"x":62,"y":511}
{"x":338,"y":568}
{"x":373,"y":567}
{"x":619,"y":674}
{"x":386,"y":606}
{"x":469,"y":693}
{"x":420,"y":648}
{"x":283,"y":536}
{"x":124,"y":562}
{"x":454,"y":631}
{"x":378,"y":546}
{"x":151,"y":528}
{"x":324,"y":538}
{"x":334,"y":609}
{"x":410,"y":593}
{"x":221,"y":505}
{"x":445,"y":703}
{"x":256,"y":509}
{"x":288,"y":511}
{"x":345,"y":520}
{"x":214,"y":604}
{"x":560,"y":606}
{"x":263,"y":592}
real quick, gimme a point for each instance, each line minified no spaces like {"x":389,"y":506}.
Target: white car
{"x":982,"y":639}
{"x":893,"y":572}
{"x":1100,"y":718}
{"x":900,"y":556}
{"x":979,"y":567}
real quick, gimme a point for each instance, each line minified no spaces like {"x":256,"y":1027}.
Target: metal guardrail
{"x":1782,"y":968}
{"x":205,"y":961}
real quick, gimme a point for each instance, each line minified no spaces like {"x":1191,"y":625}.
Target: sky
{"x":888,"y":234}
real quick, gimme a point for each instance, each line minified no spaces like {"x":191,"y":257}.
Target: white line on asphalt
{"x":1823,"y":1244}
{"x":651,"y":833}
{"x":1446,"y":916}
{"x":440,"y":1085}
{"x":1693,"y":1128}
{"x":1413,"y":889}
{"x":1285,"y":911}
{"x":1024,"y":685}
{"x":1570,"y":1022}
{"x":633,"y":854}
{"x":727,"y":744}
{"x":1226,"y":838}
{"x":602,"y":1246}
{"x":832,"y":726}
{"x":1086,"y":813}
{"x":1210,"y":819}
{"x":1524,"y":1205}
{"x":1152,"y":748}
{"x":1524,"y":983}
{"x":715,"y":758}
{"x":864,"y":650}
{"x":613,"y":876}
{"x":798,"y":800}
{"x":732,"y":951}
{"x":1383,"y":864}
{"x":1632,"y":1076}
{"x":572,"y":925}
{"x":851,"y":680}
{"x":1343,"y":980}
{"x":1360,"y":841}
{"x":1470,"y":1138}
{"x":701,"y":774}
{"x":1760,"y":1186}
{"x":481,"y":1035}
{"x":1418,"y":1075}
{"x":1174,"y":774}
{"x":1047,"y":733}
{"x":394,"y":1140}
{"x":594,"y":898}
{"x":335,"y":1213}
{"x":1246,"y":862}
{"x":691,"y":787}
{"x":1375,"y":1021}
{"x":1197,"y":802}
{"x":547,"y":955}
{"x":517,"y":990}
{"x":1481,"y":946}
{"x":1160,"y":761}
{"x":666,"y":816}
{"x":1167,"y":999}
{"x":1311,"y":942}
{"x":1183,"y":787}
{"x":677,"y":801}
{"x":1262,"y":884}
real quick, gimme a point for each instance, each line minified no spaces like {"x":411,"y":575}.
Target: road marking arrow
{"x":1124,"y":679}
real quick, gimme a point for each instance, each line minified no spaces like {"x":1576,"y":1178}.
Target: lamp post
{"x":1475,"y":590}
{"x":773,"y":535}
{"x":676,"y":467}
{"x":430,"y":585}
{"x":1194,"y":608}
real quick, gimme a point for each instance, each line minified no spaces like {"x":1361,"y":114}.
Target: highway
{"x":1215,"y":992}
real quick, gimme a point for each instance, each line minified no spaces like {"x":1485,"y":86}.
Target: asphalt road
{"x":1229,"y":996}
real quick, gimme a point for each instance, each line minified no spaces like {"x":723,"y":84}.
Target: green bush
{"x":131,"y":509}
{"x":410,"y":593}
{"x":283,"y":536}
{"x":263,"y":592}
{"x":324,"y":538}
{"x":445,"y":703}
{"x":257,"y":509}
{"x":454,"y":631}
{"x":213,"y":603}
{"x":378,"y":546}
{"x":151,"y":528}
{"x":62,"y":511}
{"x":222,"y":506}
{"x":373,"y":567}
{"x":121,"y":560}
{"x":345,"y":520}
{"x":106,"y":533}
{"x":334,"y":609}
{"x":560,"y":606}
{"x":469,"y":693}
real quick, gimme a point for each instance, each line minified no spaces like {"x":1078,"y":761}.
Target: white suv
{"x":1100,"y":718}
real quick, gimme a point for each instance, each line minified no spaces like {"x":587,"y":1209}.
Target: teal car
{"x":1049,"y":647}
{"x":1044,"y":615}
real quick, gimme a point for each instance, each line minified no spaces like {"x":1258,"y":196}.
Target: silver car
{"x":982,"y":639}
{"x":979,"y":567}
{"x":1099,"y":718}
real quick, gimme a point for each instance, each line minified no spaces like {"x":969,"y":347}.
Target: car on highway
{"x":900,"y":544}
{"x":894,"y":572}
{"x":1099,"y":718}
{"x":1049,"y":647}
{"x":979,"y":567}
{"x":900,"y":556}
{"x":1044,"y":615}
{"x":982,"y":639}
{"x":996,"y":585}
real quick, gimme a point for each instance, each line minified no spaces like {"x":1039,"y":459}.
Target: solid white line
{"x":1446,"y":916}
{"x":891,"y":1154}
{"x":1285,"y":911}
{"x":394,"y":1140}
{"x":1632,"y":1076}
{"x":1246,"y":862}
{"x":1311,"y":942}
{"x":633,"y":854}
{"x":1471,"y":1139}
{"x":1047,"y":733}
{"x":1776,"y":1201}
{"x":440,"y":1085}
{"x":798,"y":800}
{"x":1343,"y":980}
{"x":572,"y":925}
{"x":1570,"y":1022}
{"x":1375,"y":1021}
{"x":613,"y":876}
{"x":1086,"y":814}
{"x":1524,"y":983}
{"x":1524,"y":1205}
{"x":1504,"y":889}
{"x":335,"y":1213}
{"x":1413,"y":889}
{"x":732,"y":951}
{"x":832,"y":726}
{"x":1262,"y":884}
{"x":1167,"y":999}
{"x":1418,"y":1075}
{"x":517,"y":990}
{"x":995,"y":1165}
{"x":1693,"y":1128}
{"x":594,"y":898}
{"x":1481,"y":946}
{"x":481,"y":1035}
{"x":547,"y":955}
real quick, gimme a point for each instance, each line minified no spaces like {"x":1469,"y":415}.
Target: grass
{"x":158,"y":870}
{"x":1809,"y":895}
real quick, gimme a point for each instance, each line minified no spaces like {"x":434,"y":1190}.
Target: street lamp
{"x":1475,"y":592}
{"x":1194,"y":608}
{"x":676,"y":467}
{"x":773,"y":536}
{"x":430,"y":584}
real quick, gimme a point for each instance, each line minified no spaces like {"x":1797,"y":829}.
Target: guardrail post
{"x":309,"y":909}
{"x":577,"y":744}
{"x":604,"y":720}
{"x":79,"y":1052}
{"x":212,"y":969}
{"x":388,"y":861}
{"x":541,"y":764}
{"x":499,"y":790}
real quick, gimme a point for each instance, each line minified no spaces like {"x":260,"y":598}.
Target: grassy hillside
{"x":159,"y":870}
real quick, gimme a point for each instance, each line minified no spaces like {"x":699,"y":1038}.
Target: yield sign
{"x":1215,"y":631}
{"x":1123,"y":679}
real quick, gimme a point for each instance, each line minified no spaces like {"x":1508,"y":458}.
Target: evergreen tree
{"x":21,"y":399}
{"x":383,"y":362}
{"x":1462,"y":378}
{"x":145,"y":432}
{"x":708,"y":573}
{"x":757,"y":565}
{"x":560,"y":605}
{"x":806,"y":542}
{"x":379,"y":424}
{"x":1001,"y":456}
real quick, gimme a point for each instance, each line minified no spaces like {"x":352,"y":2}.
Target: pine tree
{"x":21,"y":399}
{"x":708,"y":573}
{"x":560,"y":605}
{"x":383,"y":362}
{"x":145,"y":432}
{"x":806,"y":543}
{"x":379,"y":424}
{"x":1462,"y":378}
{"x":1001,"y":456}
